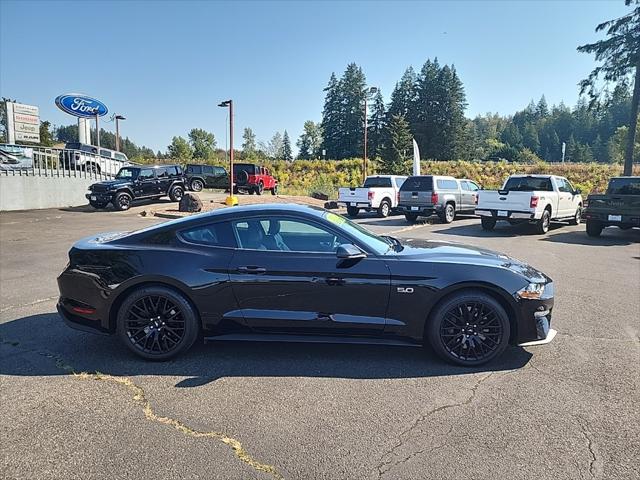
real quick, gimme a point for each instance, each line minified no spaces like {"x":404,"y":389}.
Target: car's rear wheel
{"x":469,"y":328}
{"x":197,"y":185}
{"x":411,"y":217}
{"x":97,"y":205}
{"x":157,"y":323}
{"x":122,"y":201}
{"x":542,"y":226}
{"x":353,"y":211}
{"x":577,"y":218}
{"x":274,"y":190}
{"x":384,"y":209}
{"x":488,"y":223}
{"x":594,"y":228}
{"x":449,"y":213}
{"x":176,"y":193}
{"x":259,"y":189}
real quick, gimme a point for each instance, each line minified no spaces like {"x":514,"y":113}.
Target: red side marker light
{"x":84,"y":310}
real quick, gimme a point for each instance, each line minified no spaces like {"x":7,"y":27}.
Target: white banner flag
{"x":416,"y":158}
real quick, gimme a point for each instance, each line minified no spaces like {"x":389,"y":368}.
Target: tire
{"x":542,"y":226}
{"x":197,"y":185}
{"x":449,"y":213}
{"x":235,"y":190}
{"x":176,"y":193}
{"x":411,"y":217}
{"x":352,"y":212}
{"x":97,"y":205}
{"x":384,"y":209}
{"x":577,"y":217}
{"x":259,"y":189}
{"x":468,"y":328}
{"x":488,"y":223}
{"x":242,"y":178}
{"x":594,"y":228}
{"x":157,"y":323}
{"x":122,"y":201}
{"x":274,"y":190}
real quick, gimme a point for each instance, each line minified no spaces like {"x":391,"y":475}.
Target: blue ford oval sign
{"x":81,"y":105}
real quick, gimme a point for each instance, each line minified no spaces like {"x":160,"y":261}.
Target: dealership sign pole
{"x":83,"y":107}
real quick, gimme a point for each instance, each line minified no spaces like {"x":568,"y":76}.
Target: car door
{"x":163,"y":180}
{"x":471,"y":194}
{"x":220,"y":178}
{"x":146,"y":183}
{"x":287,"y":279}
{"x":565,"y":198}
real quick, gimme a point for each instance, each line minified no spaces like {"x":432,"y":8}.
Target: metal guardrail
{"x":21,"y":160}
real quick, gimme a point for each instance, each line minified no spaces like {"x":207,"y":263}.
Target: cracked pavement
{"x":566,"y":410}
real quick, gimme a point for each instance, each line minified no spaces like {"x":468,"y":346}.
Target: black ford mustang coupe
{"x":297,"y":273}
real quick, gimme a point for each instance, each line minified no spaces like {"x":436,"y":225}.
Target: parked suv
{"x":80,"y":156}
{"x":433,"y":194}
{"x":135,"y":183}
{"x":619,"y":206}
{"x":252,"y":178}
{"x":198,"y":177}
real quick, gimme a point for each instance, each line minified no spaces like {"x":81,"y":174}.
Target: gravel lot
{"x":567,"y":410}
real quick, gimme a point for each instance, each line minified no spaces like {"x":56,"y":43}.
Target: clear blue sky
{"x":165,"y":65}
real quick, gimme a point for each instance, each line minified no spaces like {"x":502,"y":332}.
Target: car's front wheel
{"x":468,"y":328}
{"x":577,"y":218}
{"x":122,"y":201}
{"x":157,"y":323}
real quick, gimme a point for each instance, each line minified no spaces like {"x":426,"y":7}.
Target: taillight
{"x":434,"y":198}
{"x":370,"y":195}
{"x":534,"y":202}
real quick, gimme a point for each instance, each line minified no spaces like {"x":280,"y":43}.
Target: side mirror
{"x":349,"y":251}
{"x":577,"y":191}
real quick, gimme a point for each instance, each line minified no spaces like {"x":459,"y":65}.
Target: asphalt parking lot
{"x":75,"y":405}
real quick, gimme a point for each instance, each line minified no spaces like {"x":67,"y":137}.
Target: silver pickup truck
{"x":433,"y":194}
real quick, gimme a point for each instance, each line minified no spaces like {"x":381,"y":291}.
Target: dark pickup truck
{"x":619,"y":206}
{"x":138,"y":182}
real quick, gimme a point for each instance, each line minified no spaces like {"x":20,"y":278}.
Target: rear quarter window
{"x":447,"y":184}
{"x":213,"y":235}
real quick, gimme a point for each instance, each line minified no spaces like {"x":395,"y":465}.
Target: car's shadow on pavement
{"x":609,"y":237}
{"x":41,"y":345}
{"x":161,"y":203}
{"x":502,"y":229}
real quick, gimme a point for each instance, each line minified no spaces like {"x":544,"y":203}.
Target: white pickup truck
{"x":378,"y":193}
{"x":536,"y":199}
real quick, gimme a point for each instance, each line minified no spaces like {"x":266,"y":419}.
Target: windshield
{"x":376,"y":243}
{"x":528,"y":184}
{"x":377,"y":182}
{"x":624,"y":186}
{"x":127,"y":173}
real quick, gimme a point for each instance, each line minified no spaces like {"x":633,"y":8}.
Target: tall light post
{"x":368,"y":92}
{"x":118,"y":117}
{"x":231,"y":199}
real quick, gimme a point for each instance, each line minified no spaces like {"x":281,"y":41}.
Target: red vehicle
{"x":252,"y":178}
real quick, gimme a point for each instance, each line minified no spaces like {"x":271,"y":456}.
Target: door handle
{"x":251,"y":269}
{"x":335,"y":281}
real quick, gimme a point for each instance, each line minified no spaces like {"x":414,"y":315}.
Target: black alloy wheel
{"x":469,"y":329}
{"x":157,"y":323}
{"x":176,"y":193}
{"x":197,"y":185}
{"x":122,"y":201}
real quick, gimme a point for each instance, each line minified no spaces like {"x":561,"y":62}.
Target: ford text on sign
{"x":81,"y":105}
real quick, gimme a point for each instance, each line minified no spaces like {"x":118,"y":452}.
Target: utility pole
{"x":231,"y":199}
{"x":118,"y":117}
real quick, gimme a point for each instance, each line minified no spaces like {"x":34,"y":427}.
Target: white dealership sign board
{"x":23,"y":123}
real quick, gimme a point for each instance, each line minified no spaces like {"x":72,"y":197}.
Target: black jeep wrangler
{"x":135,"y":183}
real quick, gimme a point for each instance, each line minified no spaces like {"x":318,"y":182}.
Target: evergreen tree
{"x":376,"y":126}
{"x":403,"y":96}
{"x":310,"y":141}
{"x":46,"y":138}
{"x":542,"y":109}
{"x":352,"y":86}
{"x":530,"y":138}
{"x":287,"y":154}
{"x":332,"y":118}
{"x":426,"y":125}
{"x":511,"y":136}
{"x":398,"y":147}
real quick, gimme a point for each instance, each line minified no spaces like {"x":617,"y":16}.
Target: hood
{"x":112,"y":183}
{"x":451,"y":252}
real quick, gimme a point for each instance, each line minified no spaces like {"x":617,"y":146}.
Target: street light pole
{"x":371,"y":91}
{"x":231,"y":199}
{"x":98,"y":133}
{"x":118,"y":117}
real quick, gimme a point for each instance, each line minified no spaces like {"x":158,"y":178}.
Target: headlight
{"x":533,"y":291}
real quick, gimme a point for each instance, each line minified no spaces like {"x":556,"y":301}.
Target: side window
{"x":285,"y":235}
{"x":207,"y":169}
{"x":195,"y":169}
{"x":465,"y":186}
{"x":105,"y":153}
{"x":213,"y":235}
{"x":120,"y":156}
{"x":562,"y":185}
{"x":474,"y":187}
{"x":162,"y":173}
{"x":146,"y":174}
{"x":447,"y":184}
{"x":172,"y":171}
{"x":219,"y":171}
{"x":569,"y":186}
